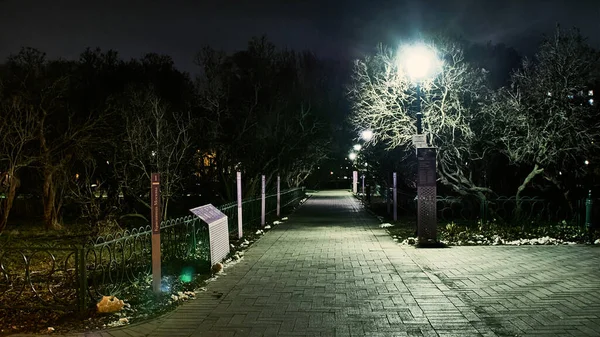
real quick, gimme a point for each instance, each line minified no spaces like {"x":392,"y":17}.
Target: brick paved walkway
{"x":331,"y":271}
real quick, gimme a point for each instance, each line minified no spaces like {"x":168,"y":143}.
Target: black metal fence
{"x":499,"y":209}
{"x":67,"y":278}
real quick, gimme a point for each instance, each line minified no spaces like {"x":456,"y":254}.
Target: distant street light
{"x":366,"y":135}
{"x":357,"y":147}
{"x":352,"y":156}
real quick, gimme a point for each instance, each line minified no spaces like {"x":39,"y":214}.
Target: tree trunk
{"x":49,"y":198}
{"x":7,"y":203}
{"x":536,"y":170}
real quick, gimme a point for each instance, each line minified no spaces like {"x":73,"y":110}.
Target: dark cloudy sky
{"x":337,"y":29}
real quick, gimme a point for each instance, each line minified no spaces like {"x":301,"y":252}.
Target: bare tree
{"x":91,"y":192}
{"x":43,"y":91}
{"x":17,"y":132}
{"x":383,"y":99}
{"x":156,"y":139}
{"x":546,"y":121}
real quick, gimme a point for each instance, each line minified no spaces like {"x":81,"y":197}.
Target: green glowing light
{"x":186,"y":274}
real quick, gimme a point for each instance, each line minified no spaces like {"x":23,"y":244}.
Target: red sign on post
{"x":155,"y":221}
{"x":155,"y":197}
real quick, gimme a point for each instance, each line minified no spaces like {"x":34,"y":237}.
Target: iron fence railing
{"x":72,"y":277}
{"x":498,"y":209}
{"x":41,"y":276}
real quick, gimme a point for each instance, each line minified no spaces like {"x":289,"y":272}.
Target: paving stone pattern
{"x":331,"y":271}
{"x":524,"y":290}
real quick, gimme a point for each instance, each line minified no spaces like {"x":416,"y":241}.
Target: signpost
{"x":218,"y":231}
{"x":426,"y":195}
{"x":363,"y":185}
{"x":263,"y":202}
{"x":419,"y":141}
{"x":239,"y":203}
{"x":354,"y":182}
{"x":395,"y":196}
{"x":278,"y":196}
{"x":155,"y":220}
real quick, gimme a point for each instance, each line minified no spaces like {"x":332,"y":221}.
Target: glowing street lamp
{"x":366,"y":135}
{"x":352,"y":156}
{"x":357,"y":147}
{"x":420,"y":63}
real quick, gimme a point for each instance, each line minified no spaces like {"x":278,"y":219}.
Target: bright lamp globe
{"x":366,"y":135}
{"x":420,"y":61}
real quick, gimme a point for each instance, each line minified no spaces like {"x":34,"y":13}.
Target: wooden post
{"x":263,"y":202}
{"x":239,"y":203}
{"x":155,"y":220}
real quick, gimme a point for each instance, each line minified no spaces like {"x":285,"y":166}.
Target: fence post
{"x":83,"y":296}
{"x":395,"y":196}
{"x":263,"y":202}
{"x":278,"y":196}
{"x":194,"y":240}
{"x":239,"y":203}
{"x":588,"y":213}
{"x":388,"y":197}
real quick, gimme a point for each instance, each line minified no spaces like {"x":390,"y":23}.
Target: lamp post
{"x":421,"y":63}
{"x":366,"y":135}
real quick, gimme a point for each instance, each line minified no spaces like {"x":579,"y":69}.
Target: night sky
{"x":332,"y":29}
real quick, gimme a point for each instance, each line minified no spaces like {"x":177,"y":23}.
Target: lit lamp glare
{"x":352,"y":156}
{"x":357,"y":147}
{"x":420,"y":61}
{"x":366,"y":135}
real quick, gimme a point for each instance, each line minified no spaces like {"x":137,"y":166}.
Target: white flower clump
{"x":181,"y":296}
{"x":385,"y":225}
{"x":409,"y":241}
{"x":120,"y":322}
{"x":546,"y":240}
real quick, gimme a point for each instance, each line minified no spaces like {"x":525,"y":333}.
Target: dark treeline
{"x":85,"y":135}
{"x":81,"y":137}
